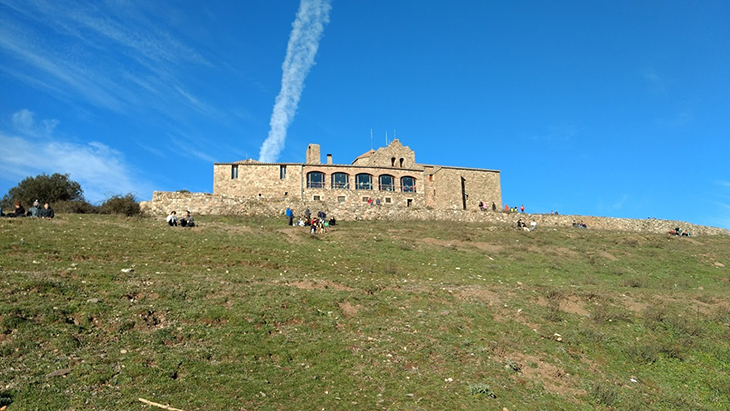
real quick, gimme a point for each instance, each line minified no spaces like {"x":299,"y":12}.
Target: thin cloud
{"x":188,"y":147}
{"x":304,"y":39}
{"x":24,"y":122}
{"x":111,"y":55}
{"x":101,"y":170}
{"x":656,"y":83}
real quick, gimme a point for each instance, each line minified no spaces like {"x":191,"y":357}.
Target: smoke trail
{"x":303,"y":43}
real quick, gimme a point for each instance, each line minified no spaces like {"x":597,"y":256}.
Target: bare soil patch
{"x":607,"y":255}
{"x":292,"y":235}
{"x":554,"y":379}
{"x":478,"y":294}
{"x":348,"y":309}
{"x":319,"y":285}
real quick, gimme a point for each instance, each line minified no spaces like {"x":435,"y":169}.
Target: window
{"x":386,"y":183}
{"x":341,"y":181}
{"x":401,"y":163}
{"x":365,"y":199}
{"x":363,"y":182}
{"x":409,"y":202}
{"x":408,"y":184}
{"x":317,"y":198}
{"x":430,"y":177}
{"x":341,"y":199}
{"x":388,"y":200}
{"x":234,"y":172}
{"x":315,"y":179}
{"x":282,"y":172}
{"x":392,"y":162}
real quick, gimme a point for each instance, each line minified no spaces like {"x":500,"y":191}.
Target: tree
{"x":45,"y":188}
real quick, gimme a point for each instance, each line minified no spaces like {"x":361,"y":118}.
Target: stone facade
{"x":389,"y":175}
{"x":211,"y":204}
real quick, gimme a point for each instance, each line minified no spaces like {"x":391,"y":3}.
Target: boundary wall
{"x":212,"y":204}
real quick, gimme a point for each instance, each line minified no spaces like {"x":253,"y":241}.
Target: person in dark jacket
{"x":187,"y":221}
{"x":46,"y":211}
{"x":19,"y":210}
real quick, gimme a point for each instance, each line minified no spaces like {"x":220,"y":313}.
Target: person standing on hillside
{"x":290,"y":216}
{"x":522,"y":208}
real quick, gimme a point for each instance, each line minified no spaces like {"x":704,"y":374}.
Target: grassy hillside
{"x":246,"y":313}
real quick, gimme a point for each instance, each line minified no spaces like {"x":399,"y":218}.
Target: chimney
{"x":313,"y":154}
{"x":329,"y":158}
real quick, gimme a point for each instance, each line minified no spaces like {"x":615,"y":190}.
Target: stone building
{"x":389,"y":176}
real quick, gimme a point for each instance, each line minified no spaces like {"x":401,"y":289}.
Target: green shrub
{"x":120,"y":204}
{"x":75,"y":207}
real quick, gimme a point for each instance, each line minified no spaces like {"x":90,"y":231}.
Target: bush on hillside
{"x":76,"y":207}
{"x":120,"y":204}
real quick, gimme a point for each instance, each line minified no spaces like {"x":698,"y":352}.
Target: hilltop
{"x":247,"y":313}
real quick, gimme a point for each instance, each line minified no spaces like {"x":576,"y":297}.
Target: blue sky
{"x":587,"y":107}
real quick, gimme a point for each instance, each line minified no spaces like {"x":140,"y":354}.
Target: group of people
{"x":522,"y":225}
{"x":579,"y":224}
{"x":35,"y":211}
{"x":508,"y":209}
{"x":483,"y":206}
{"x":373,"y":202}
{"x":678,"y":231}
{"x":186,"y":221}
{"x":316,"y":224}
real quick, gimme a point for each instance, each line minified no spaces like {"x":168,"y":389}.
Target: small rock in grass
{"x":59,"y":373}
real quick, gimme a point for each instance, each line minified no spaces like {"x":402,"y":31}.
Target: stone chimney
{"x":313,"y":154}
{"x":329,"y":158}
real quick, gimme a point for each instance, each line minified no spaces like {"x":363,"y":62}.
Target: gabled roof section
{"x":364,"y":155}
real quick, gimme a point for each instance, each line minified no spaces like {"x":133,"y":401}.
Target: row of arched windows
{"x":363,"y":181}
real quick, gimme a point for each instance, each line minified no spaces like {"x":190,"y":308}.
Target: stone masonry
{"x":389,"y":175}
{"x":211,"y":204}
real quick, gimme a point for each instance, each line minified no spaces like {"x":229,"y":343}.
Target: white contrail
{"x":303,"y":43}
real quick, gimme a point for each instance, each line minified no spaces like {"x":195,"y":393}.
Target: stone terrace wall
{"x":208,"y":204}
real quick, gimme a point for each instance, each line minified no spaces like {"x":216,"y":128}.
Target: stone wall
{"x":438,"y":187}
{"x":479,"y":185}
{"x":209,"y":204}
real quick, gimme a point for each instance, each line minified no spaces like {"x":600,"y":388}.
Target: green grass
{"x":247,"y":313}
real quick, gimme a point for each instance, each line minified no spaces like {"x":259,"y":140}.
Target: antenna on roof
{"x":386,"y":139}
{"x":371,"y":138}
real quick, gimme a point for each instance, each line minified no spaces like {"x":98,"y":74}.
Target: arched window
{"x":341,"y":181}
{"x":363,"y":182}
{"x":392,"y":161}
{"x":401,"y":162}
{"x":408,"y":184}
{"x":386,"y":183}
{"x":315,"y":179}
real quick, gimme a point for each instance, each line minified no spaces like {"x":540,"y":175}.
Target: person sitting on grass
{"x":19,"y":211}
{"x":46,"y":211}
{"x":34,"y":209}
{"x":187,"y":221}
{"x":172,"y":219}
